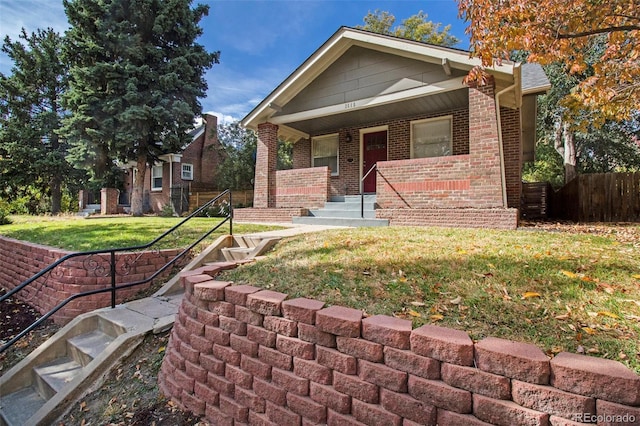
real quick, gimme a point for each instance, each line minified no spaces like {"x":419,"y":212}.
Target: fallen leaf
{"x":588,"y":330}
{"x":562,"y":317}
{"x":608,"y":314}
{"x":529,"y":294}
{"x":161,"y":349}
{"x":568,"y":274}
{"x":417,"y":304}
{"x":414,"y":313}
{"x":436,"y":317}
{"x":456,"y":301}
{"x":636,"y":276}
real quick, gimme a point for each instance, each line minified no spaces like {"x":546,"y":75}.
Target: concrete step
{"x":231,"y":254}
{"x":341,"y":205}
{"x":340,"y":221}
{"x":16,"y":408}
{"x":85,"y":347}
{"x":52,"y":376}
{"x":354,"y":214}
{"x":368,"y":198}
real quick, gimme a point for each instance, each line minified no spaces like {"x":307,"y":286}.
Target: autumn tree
{"x":137,"y":74}
{"x":32,"y":155}
{"x":560,"y":31}
{"x":416,"y":27}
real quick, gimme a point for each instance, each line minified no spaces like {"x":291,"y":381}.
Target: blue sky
{"x":261,"y":42}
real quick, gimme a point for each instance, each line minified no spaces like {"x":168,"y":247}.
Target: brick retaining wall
{"x":20,"y":260}
{"x":239,"y":354}
{"x":457,"y":218}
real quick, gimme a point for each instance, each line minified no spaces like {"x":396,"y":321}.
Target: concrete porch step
{"x":85,"y":347}
{"x":337,"y":213}
{"x":231,"y":254}
{"x":17,"y":407}
{"x":340,"y":221}
{"x":53,"y":376}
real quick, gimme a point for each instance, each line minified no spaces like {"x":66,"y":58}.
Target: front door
{"x":374,"y":148}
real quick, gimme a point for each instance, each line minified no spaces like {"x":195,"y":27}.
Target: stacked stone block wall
{"x":20,"y":260}
{"x":239,"y":355}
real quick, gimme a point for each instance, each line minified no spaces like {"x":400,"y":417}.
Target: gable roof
{"x":506,"y":74}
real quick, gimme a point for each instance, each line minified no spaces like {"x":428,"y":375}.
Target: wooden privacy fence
{"x":240,"y":198}
{"x":599,"y":197}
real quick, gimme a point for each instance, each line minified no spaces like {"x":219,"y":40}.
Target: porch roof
{"x":424,"y":94}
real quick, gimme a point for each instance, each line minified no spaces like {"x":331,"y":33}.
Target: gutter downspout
{"x":501,"y":149}
{"x":171,"y":182}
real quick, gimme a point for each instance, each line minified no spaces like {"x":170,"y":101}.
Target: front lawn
{"x":560,"y":291}
{"x":77,"y":234}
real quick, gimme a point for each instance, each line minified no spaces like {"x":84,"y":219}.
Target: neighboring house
{"x":444,"y":155}
{"x":170,"y":180}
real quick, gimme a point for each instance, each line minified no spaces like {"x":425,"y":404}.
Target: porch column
{"x":264,"y":185}
{"x":484,"y":148}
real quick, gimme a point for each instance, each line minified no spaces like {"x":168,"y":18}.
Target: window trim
{"x":182,"y":174}
{"x":153,"y":187}
{"x":315,"y":139}
{"x":426,"y":120}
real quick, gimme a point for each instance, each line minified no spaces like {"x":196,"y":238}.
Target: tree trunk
{"x":565,"y":145}
{"x":56,"y":194}
{"x":137,"y":194}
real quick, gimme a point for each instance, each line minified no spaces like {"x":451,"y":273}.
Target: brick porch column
{"x":266,"y":163}
{"x":484,"y":148}
{"x":109,"y":201}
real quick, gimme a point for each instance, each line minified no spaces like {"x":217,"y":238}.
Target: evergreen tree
{"x":32,"y":155}
{"x":136,"y":75}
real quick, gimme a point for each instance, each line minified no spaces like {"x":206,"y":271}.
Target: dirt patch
{"x":130,"y":394}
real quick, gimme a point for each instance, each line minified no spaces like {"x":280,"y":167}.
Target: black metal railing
{"x":374,"y":167}
{"x":226,"y":211}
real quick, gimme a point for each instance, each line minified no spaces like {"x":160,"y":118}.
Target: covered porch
{"x":378,"y":115}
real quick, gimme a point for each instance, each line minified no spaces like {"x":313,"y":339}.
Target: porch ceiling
{"x":406,"y":108}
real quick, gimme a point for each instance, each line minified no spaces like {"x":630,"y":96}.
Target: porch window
{"x":325,"y":152}
{"x":187,"y":171}
{"x":156,"y":178}
{"x":432,"y":137}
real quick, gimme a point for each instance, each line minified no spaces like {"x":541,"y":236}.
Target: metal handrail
{"x":375,"y":166}
{"x":114,"y":287}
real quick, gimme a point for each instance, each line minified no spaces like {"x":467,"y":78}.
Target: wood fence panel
{"x":240,"y":198}
{"x":599,"y":197}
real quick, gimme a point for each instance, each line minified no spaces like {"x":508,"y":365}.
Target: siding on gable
{"x":362,"y":73}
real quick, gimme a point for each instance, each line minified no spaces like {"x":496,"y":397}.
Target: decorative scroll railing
{"x":105,"y":263}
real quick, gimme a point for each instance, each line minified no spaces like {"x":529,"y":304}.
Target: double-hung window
{"x":187,"y":171}
{"x":324,"y":152}
{"x":432,"y":137}
{"x":156,"y":178}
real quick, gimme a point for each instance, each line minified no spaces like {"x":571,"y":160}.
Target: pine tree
{"x":32,"y":155}
{"x":136,"y":76}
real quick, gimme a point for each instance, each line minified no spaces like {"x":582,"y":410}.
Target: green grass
{"x":77,"y":234}
{"x":560,"y":291}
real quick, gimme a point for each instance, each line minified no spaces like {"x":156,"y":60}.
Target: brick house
{"x":172,"y":178}
{"x":445,"y":153}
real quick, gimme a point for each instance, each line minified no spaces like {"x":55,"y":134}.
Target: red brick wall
{"x":512,"y":151}
{"x":266,"y":164}
{"x":348,"y":181}
{"x":457,"y":218}
{"x":308,"y":188}
{"x":425,"y":182}
{"x":240,"y":354}
{"x":21,"y":260}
